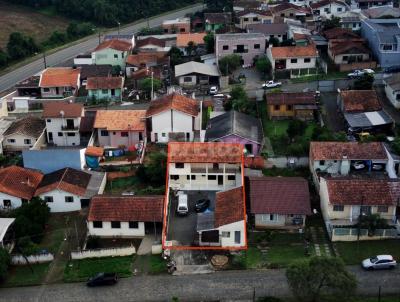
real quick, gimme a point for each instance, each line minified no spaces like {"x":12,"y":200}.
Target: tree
{"x":273,"y":41}
{"x":210,"y":42}
{"x":288,"y":42}
{"x":263,"y":65}
{"x":364,"y":82}
{"x":154,"y":170}
{"x":309,"y":279}
{"x":229,"y":64}
{"x":20,"y":46}
{"x":57,"y":38}
{"x":240,"y":102}
{"x":296,"y":128}
{"x":372,"y":222}
{"x":176,"y":56}
{"x":219,"y":5}
{"x":4,"y":263}
{"x":191,"y":49}
{"x":3,"y":58}
{"x":396,"y":145}
{"x":146,"y":84}
{"x":333,"y":22}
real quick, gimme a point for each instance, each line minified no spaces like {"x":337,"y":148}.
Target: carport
{"x":376,"y":120}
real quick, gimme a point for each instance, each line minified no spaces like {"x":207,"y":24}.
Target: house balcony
{"x":198,"y":170}
{"x":69,"y":128}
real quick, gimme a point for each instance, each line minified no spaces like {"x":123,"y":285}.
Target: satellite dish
{"x":62,"y":113}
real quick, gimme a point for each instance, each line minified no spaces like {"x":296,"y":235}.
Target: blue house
{"x":383,"y":37}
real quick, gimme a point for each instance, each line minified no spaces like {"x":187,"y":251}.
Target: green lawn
{"x":81,"y":270}
{"x":23,"y":275}
{"x":252,"y":258}
{"x":157,"y":265}
{"x":354,"y":253}
{"x":286,"y":248}
{"x":122,"y":184}
{"x":329,"y":76}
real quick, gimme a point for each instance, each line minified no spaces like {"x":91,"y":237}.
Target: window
{"x":339,"y":9}
{"x":140,"y":136}
{"x":293,"y":60}
{"x":48,"y":199}
{"x":163,"y":134}
{"x":174,"y":177}
{"x":289,"y":107}
{"x":307,"y":60}
{"x":11,"y":140}
{"x":103,"y":133}
{"x":133,"y":224}
{"x":321,"y":162}
{"x":231,"y":177}
{"x":69,"y":199}
{"x":124,"y":134}
{"x":365,"y":210}
{"x":245,"y":19}
{"x":48,"y":120}
{"x":104,"y":91}
{"x":225,"y":47}
{"x":387,"y":47}
{"x":212,"y":177}
{"x":255,"y":19}
{"x":345,"y":58}
{"x":225,"y":234}
{"x":115,"y":56}
{"x":237,"y":237}
{"x":70,"y":134}
{"x":277,"y":107}
{"x":282,"y":15}
{"x":256,"y":46}
{"x":338,"y":208}
{"x":97,"y":224}
{"x":60,"y":134}
{"x":46,"y":89}
{"x":291,"y":14}
{"x":191,"y":176}
{"x":179,"y":165}
{"x":115,"y":224}
{"x":187,"y":79}
{"x":354,"y":25}
{"x":326,"y":9}
{"x":7,"y":203}
{"x":383,"y":209}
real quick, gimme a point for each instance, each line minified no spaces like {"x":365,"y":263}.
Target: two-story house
{"x":59,"y":82}
{"x":392,"y":89}
{"x":173,"y":117}
{"x":298,"y":105}
{"x":112,"y":52}
{"x":328,"y":8}
{"x":174,"y":26}
{"x":365,"y":4}
{"x":274,"y":30}
{"x":105,"y":88}
{"x":217,"y":21}
{"x":120,"y":128}
{"x":248,"y":45}
{"x":62,"y":123}
{"x":251,"y":17}
{"x":291,"y":11}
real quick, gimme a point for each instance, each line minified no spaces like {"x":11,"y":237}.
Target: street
{"x":228,"y":285}
{"x":10,"y":79}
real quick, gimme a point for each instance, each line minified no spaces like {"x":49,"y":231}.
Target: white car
{"x":271,"y":84}
{"x":213,"y":90}
{"x":222,"y":96}
{"x":359,"y":165}
{"x":379,"y":262}
{"x":358,"y":73}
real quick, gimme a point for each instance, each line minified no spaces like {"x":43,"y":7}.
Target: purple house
{"x":247,"y":45}
{"x":236,"y":127}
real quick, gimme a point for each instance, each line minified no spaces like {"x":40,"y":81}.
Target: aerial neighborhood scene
{"x":216,"y":150}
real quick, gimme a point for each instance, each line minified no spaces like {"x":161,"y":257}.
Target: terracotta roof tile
{"x":339,"y":33}
{"x":150,"y":41}
{"x":345,"y":191}
{"x":325,"y":2}
{"x":174,"y":101}
{"x":286,"y":5}
{"x":60,"y":77}
{"x":145,"y":73}
{"x":279,"y":195}
{"x":218,"y":18}
{"x":53,"y":109}
{"x":182,"y":40}
{"x":19,"y":182}
{"x":291,"y":98}
{"x":254,"y":11}
{"x":229,"y":207}
{"x":29,"y":126}
{"x":126,"y":208}
{"x":360,"y":100}
{"x":213,"y":152}
{"x":94,"y":151}
{"x":120,"y":45}
{"x":122,"y":120}
{"x":145,"y":58}
{"x":105,"y":83}
{"x":346,"y":47}
{"x":294,"y":51}
{"x":353,"y":151}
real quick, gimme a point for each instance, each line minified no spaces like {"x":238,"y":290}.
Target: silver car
{"x":379,"y":262}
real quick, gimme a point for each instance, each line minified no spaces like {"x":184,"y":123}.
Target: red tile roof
{"x":286,"y":5}
{"x":340,"y":33}
{"x":60,"y":77}
{"x":182,"y":40}
{"x":176,"y":102}
{"x":150,"y":41}
{"x":19,"y":182}
{"x":294,"y":51}
{"x":105,"y":83}
{"x":254,"y":11}
{"x":120,"y":45}
{"x":212,"y":152}
{"x":144,"y":58}
{"x":229,"y":207}
{"x":94,"y":151}
{"x":360,"y":100}
{"x":353,"y":151}
{"x":54,"y":109}
{"x":349,"y":47}
{"x":325,"y":2}
{"x":126,"y":208}
{"x":363,"y":191}
{"x":291,"y":98}
{"x":120,"y":120}
{"x":279,"y":195}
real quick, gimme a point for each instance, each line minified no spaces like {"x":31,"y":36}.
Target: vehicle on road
{"x":103,"y":279}
{"x":222,"y":96}
{"x":213,"y":90}
{"x":201,"y":205}
{"x":358,"y":165}
{"x":183,"y":208}
{"x":358,"y":73}
{"x":271,"y":84}
{"x":379,"y":262}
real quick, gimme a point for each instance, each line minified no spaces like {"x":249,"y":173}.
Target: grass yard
{"x":55,"y":232}
{"x":23,"y":275}
{"x":330,"y":76}
{"x":354,"y":253}
{"x":286,"y":248}
{"x":81,"y":270}
{"x":157,"y":265}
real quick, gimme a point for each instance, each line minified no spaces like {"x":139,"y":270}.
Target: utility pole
{"x":152,"y":84}
{"x":358,"y":224}
{"x":44,"y":60}
{"x":77,"y":238}
{"x":99,"y":36}
{"x":119,"y":27}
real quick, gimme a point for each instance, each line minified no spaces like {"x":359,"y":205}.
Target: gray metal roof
{"x":205,"y":221}
{"x":393,"y":81}
{"x":196,"y":67}
{"x":368,"y":119}
{"x":247,"y":36}
{"x":94,"y":184}
{"x":268,"y":29}
{"x":234,"y":123}
{"x":386,"y":29}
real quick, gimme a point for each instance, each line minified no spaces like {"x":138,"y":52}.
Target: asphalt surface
{"x":10,"y":79}
{"x":226,"y":286}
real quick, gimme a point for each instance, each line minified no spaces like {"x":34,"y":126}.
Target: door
{"x":237,"y":237}
{"x":70,"y":124}
{"x":355,"y":212}
{"x":220,"y":180}
{"x":85,"y":203}
{"x":50,"y":137}
{"x":156,"y":137}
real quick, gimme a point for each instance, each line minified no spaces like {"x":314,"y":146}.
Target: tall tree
{"x":4,"y":263}
{"x":20,"y":46}
{"x":3,"y":58}
{"x":209,"y":39}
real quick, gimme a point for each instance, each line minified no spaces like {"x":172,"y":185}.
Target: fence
{"x":287,"y":162}
{"x":357,"y":65}
{"x":351,"y":234}
{"x":99,"y":253}
{"x":32,"y":259}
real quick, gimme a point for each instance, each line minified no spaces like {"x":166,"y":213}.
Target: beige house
{"x":250,"y":17}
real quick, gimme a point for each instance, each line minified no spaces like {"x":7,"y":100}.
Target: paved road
{"x":11,"y":78}
{"x":230,"y":285}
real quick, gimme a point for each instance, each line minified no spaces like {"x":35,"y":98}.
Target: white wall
{"x":300,"y":63}
{"x":59,"y":205}
{"x":232,"y":227}
{"x":15,"y":201}
{"x":111,"y":252}
{"x":21,"y":260}
{"x":333,"y":10}
{"x":124,"y":231}
{"x":391,"y":95}
{"x":19,"y":142}
{"x":54,"y":125}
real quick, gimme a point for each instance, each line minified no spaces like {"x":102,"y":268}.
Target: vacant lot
{"x":26,"y":20}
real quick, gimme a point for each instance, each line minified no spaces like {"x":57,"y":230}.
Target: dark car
{"x":201,"y":205}
{"x":103,"y":279}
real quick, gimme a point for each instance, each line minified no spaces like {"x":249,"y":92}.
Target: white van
{"x":182,"y":208}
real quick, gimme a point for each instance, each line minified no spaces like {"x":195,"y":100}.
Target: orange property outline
{"x":164,"y":231}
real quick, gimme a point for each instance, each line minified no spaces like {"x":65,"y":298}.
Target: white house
{"x":173,"y":117}
{"x":193,"y":73}
{"x":62,"y":123}
{"x":124,"y":216}
{"x":68,"y":190}
{"x":328,"y":8}
{"x":392,"y":89}
{"x":59,"y":82}
{"x":17,"y":186}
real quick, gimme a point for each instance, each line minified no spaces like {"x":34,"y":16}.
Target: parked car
{"x":213,"y":90}
{"x":222,"y":96}
{"x":379,"y":262}
{"x":377,"y":167}
{"x":103,"y":279}
{"x":271,"y":84}
{"x":358,"y":165}
{"x":182,"y":208}
{"x":358,"y":73}
{"x":201,"y":205}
